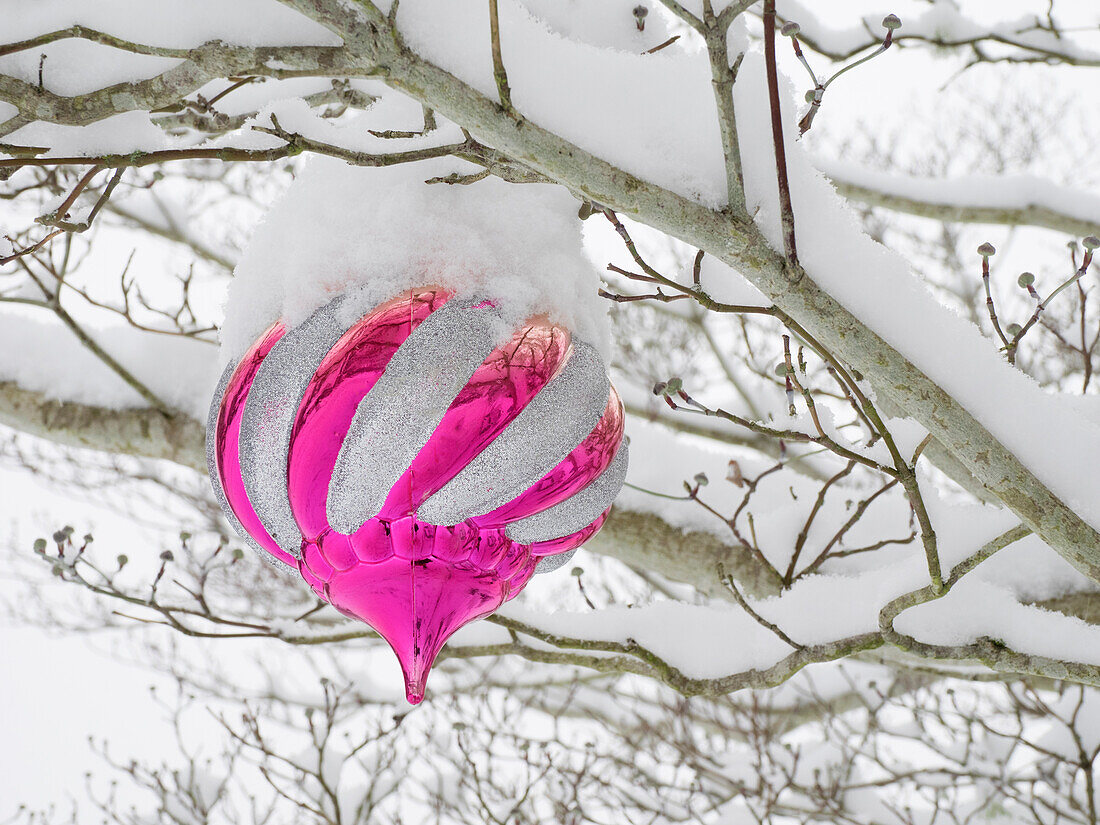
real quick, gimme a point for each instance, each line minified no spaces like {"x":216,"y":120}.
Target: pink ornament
{"x":412,"y":468}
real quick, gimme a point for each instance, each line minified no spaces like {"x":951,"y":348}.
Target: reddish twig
{"x":786,"y":211}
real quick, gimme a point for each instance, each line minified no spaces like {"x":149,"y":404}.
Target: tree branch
{"x":736,"y":241}
{"x":688,"y":556}
{"x":137,"y":432}
{"x":638,"y":539}
{"x":900,"y":194}
{"x":372,"y":42}
{"x":204,"y":63}
{"x":786,"y":211}
{"x":1037,"y":43}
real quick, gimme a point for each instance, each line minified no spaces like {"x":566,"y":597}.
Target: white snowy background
{"x":378,"y":230}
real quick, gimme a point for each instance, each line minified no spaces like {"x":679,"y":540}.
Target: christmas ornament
{"x":411,"y":467}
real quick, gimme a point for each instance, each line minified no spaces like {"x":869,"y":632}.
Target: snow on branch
{"x":686,"y":143}
{"x":740,"y":244}
{"x":140,"y":432}
{"x":1012,"y":201}
{"x":207,"y":62}
{"x":1027,"y":38}
{"x":682,"y":646}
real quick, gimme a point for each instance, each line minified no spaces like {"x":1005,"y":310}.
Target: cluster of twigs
{"x":658,"y":754}
{"x":60,"y":221}
{"x":917,"y":747}
{"x":1012,"y":334}
{"x":898,"y":471}
{"x":814,"y":96}
{"x":793,"y":371}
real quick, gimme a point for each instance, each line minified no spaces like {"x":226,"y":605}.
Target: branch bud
{"x":987,"y":250}
{"x":1026,"y":279}
{"x":790,"y":29}
{"x":734,"y":474}
{"x":640,"y":13}
{"x":1091,"y":242}
{"x":891,"y":22}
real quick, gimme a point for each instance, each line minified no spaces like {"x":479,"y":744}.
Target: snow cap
{"x":373,"y":232}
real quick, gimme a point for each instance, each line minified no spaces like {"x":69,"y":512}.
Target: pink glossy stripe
{"x":496,"y":393}
{"x":575,"y":472}
{"x":519,"y":581}
{"x":227,"y":441}
{"x":416,"y":583}
{"x":344,"y":377}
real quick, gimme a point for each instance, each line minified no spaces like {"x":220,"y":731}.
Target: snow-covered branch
{"x":139,"y":432}
{"x":851,"y":304}
{"x":634,"y":641}
{"x":1026,"y":38}
{"x":1021,"y":201}
{"x":739,"y":243}
{"x":636,"y":538}
{"x":202,"y":64}
{"x":371,"y":40}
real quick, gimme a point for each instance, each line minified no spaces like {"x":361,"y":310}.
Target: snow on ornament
{"x":411,"y":467}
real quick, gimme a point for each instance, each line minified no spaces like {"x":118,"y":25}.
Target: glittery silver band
{"x":215,"y":475}
{"x":548,"y":564}
{"x":400,"y":413}
{"x":556,"y":420}
{"x":577,"y":511}
{"x":268,"y":419}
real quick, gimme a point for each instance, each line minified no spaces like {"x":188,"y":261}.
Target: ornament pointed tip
{"x":416,"y":678}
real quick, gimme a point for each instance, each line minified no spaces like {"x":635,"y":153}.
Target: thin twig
{"x":786,"y":211}
{"x":499,"y":72}
{"x":664,"y":45}
{"x":728,"y":581}
{"x":30,"y":250}
{"x":804,"y":533}
{"x":54,"y":299}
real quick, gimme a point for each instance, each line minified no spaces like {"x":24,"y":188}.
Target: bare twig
{"x":786,"y":211}
{"x":499,"y":72}
{"x":740,"y":599}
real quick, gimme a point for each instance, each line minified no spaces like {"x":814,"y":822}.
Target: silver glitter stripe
{"x":577,"y":511}
{"x":215,"y":476}
{"x":269,"y":414}
{"x":548,"y":564}
{"x":271,"y":560}
{"x":400,"y":413}
{"x":554,"y":422}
